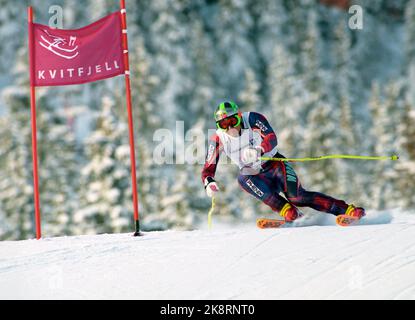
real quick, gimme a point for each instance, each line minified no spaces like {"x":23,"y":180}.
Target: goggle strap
{"x":239,"y":120}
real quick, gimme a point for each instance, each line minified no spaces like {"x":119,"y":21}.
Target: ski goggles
{"x":229,"y":122}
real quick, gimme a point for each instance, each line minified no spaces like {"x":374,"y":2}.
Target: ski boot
{"x":351,"y":216}
{"x":289,"y":212}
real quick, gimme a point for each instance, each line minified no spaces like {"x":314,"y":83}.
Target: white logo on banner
{"x":55,"y":44}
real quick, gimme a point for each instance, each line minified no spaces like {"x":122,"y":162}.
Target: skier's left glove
{"x":251,"y":155}
{"x":211,"y":186}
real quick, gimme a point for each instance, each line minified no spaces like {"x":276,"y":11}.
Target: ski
{"x":264,"y":223}
{"x":345,"y":220}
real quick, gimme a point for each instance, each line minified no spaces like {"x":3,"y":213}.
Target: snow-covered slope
{"x":374,"y":260}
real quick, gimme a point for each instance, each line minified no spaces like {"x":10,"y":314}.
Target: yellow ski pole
{"x":333,"y":156}
{"x":212,"y":208}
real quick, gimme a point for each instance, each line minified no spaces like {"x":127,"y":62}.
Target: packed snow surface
{"x":374,"y":260}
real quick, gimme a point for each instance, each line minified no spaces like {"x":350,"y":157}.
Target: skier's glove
{"x":210,"y":186}
{"x":251,"y":155}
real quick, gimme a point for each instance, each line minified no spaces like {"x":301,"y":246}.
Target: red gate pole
{"x":33,"y":116}
{"x":130,"y":115}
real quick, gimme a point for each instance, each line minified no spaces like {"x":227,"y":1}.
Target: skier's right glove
{"x":210,"y":186}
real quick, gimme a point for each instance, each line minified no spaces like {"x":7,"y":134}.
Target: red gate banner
{"x":65,"y":57}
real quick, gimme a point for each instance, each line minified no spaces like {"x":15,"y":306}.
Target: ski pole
{"x":333,"y":156}
{"x":212,"y":208}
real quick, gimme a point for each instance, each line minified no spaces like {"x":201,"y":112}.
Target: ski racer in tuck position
{"x":244,"y":138}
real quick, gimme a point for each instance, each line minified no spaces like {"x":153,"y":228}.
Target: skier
{"x":247,"y":136}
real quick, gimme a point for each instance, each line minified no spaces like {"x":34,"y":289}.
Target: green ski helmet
{"x":230,"y":111}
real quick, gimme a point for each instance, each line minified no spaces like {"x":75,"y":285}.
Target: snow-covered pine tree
{"x":266,"y":19}
{"x":286,"y":103}
{"x":100,"y":8}
{"x":11,"y":31}
{"x":410,"y":34}
{"x":351,"y":183}
{"x":148,"y":115}
{"x":59,"y":169}
{"x":308,"y":64}
{"x":57,"y":165}
{"x":250,"y":97}
{"x":149,"y":184}
{"x":176,"y":210}
{"x":164,"y":217}
{"x":386,"y":116}
{"x":169,"y":46}
{"x":232,"y":24}
{"x":405,"y":184}
{"x":322,"y":117}
{"x":322,"y":139}
{"x":271,"y":24}
{"x":343,"y":78}
{"x":310,"y":57}
{"x":375,"y":104}
{"x":105,"y":190}
{"x":296,"y":26}
{"x":205,"y":91}
{"x":16,"y":178}
{"x":179,"y":201}
{"x":406,"y":129}
{"x":5,"y":229}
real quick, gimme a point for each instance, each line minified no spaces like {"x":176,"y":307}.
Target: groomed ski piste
{"x":313,"y":260}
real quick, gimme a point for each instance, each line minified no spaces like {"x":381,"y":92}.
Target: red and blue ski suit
{"x":273,"y":177}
